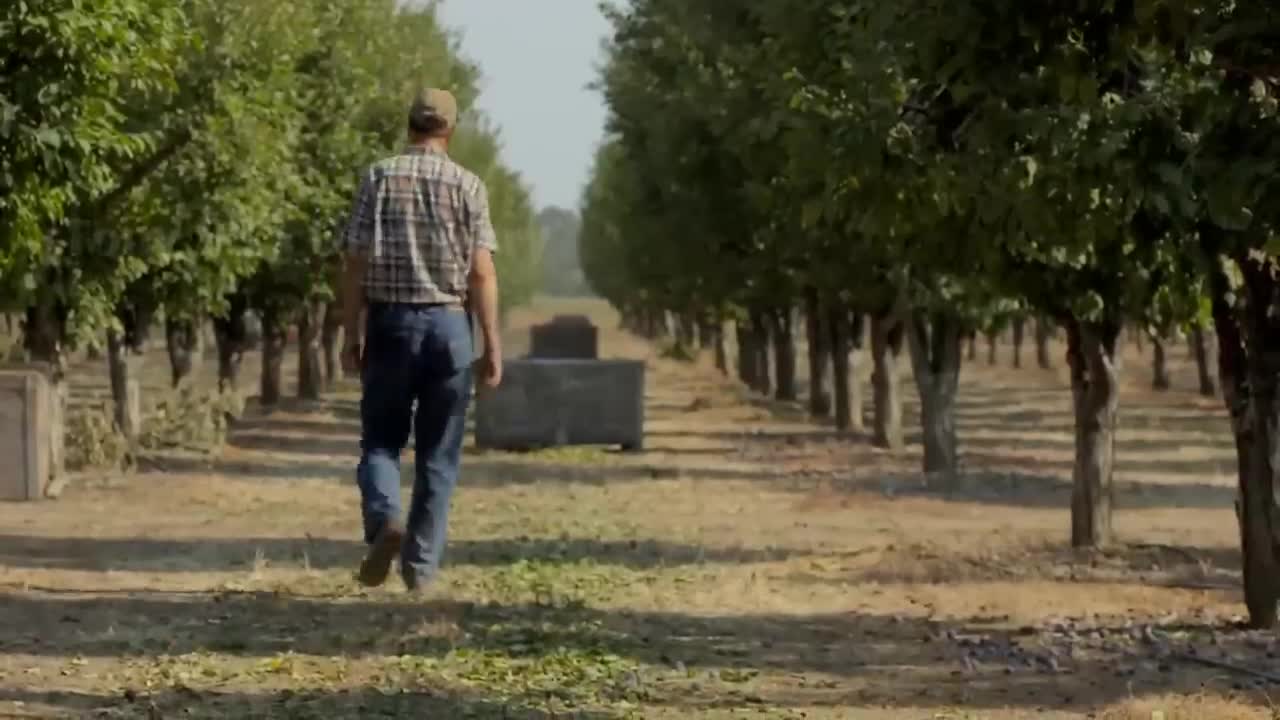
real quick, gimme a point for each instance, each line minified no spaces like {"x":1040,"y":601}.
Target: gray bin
{"x":549,"y":402}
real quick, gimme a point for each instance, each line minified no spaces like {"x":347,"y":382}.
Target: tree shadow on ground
{"x":171,"y":466}
{"x":327,"y":427}
{"x":1016,"y":408}
{"x":326,"y":442}
{"x":347,"y":445}
{"x":1015,"y":488}
{"x":1156,"y":565}
{"x":1063,"y":444}
{"x":665,"y":407}
{"x":757,"y":434}
{"x":222,"y":554}
{"x":341,"y":409}
{"x":838,"y":659}
{"x":397,"y":702}
{"x":486,"y":470}
{"x":1207,"y":426}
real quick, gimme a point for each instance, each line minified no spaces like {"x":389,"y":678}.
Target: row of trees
{"x":936,"y":169}
{"x":194,"y":160}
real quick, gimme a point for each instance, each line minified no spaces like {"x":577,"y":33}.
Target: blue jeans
{"x":417,"y":373}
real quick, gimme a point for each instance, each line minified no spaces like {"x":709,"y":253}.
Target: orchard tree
{"x":350,"y":97}
{"x":197,"y":226}
{"x":1078,"y":223}
{"x":1237,"y":108}
{"x":72,"y":74}
{"x":334,"y":78}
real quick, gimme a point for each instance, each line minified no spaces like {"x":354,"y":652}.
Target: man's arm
{"x":351,"y":289}
{"x":355,"y":262}
{"x":482,"y":281}
{"x":483,"y":297}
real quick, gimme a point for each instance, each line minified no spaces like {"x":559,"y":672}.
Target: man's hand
{"x":352,"y":358}
{"x":351,"y":299}
{"x":488,"y":370}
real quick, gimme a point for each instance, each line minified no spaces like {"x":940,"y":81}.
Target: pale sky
{"x":537,"y":57}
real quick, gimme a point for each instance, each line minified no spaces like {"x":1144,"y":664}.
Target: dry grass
{"x":1188,"y":708}
{"x":748,"y":561}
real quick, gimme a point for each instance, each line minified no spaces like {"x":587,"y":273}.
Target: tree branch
{"x":101,"y":207}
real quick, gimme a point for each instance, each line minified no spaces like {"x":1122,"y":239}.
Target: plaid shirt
{"x":418,"y":218}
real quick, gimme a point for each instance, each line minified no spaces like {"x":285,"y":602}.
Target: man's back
{"x":423,"y":216}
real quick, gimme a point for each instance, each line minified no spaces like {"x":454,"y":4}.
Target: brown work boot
{"x":377,"y":563}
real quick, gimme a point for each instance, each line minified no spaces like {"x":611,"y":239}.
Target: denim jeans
{"x":417,"y":374}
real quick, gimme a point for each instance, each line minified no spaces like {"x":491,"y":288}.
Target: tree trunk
{"x":125,"y":393}
{"x":686,"y":334}
{"x":1249,"y":388}
{"x":837,"y":326}
{"x":746,"y":353}
{"x":934,"y":342}
{"x":760,"y":348}
{"x":1138,"y":342}
{"x":182,"y":341}
{"x":232,"y":335}
{"x":784,"y":353}
{"x":853,"y":371}
{"x":1200,"y":350}
{"x":1044,"y":333}
{"x":886,"y":346}
{"x":661,"y":326}
{"x":329,"y":339}
{"x":137,"y":320}
{"x":1095,"y":394}
{"x":819,"y":352}
{"x":973,"y":347}
{"x":651,"y":322}
{"x":310,"y":355}
{"x":274,"y":339}
{"x":706,"y":334}
{"x":992,"y":337}
{"x":721,"y":352}
{"x":1019,"y":330}
{"x":43,"y":334}
{"x":1159,"y":368}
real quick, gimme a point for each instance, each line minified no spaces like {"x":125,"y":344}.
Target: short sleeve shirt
{"x":419,"y":218}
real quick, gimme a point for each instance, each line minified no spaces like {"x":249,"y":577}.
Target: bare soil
{"x":749,"y":562}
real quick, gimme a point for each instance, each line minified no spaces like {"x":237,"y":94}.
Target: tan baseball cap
{"x":433,"y":105}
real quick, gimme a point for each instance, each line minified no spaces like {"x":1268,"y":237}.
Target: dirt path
{"x":749,"y":562}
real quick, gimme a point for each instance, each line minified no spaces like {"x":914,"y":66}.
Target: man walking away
{"x":418,"y":252}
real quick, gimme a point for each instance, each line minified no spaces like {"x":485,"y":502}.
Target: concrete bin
{"x":566,"y":336}
{"x":549,"y":402}
{"x":25,"y":413}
